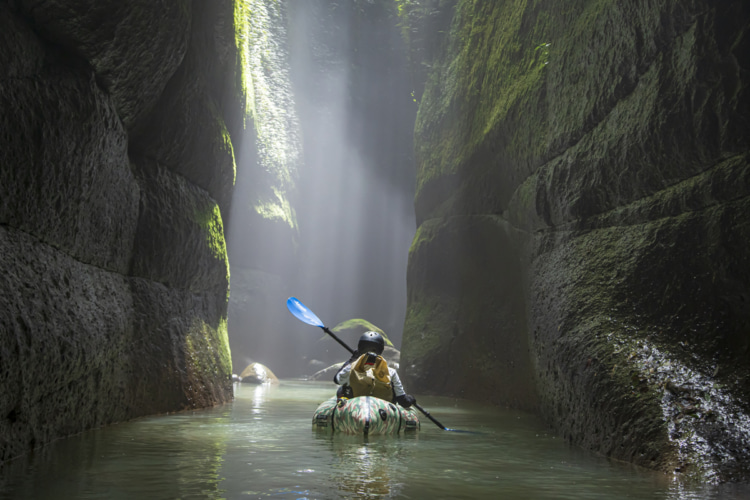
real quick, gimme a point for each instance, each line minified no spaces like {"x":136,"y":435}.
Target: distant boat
{"x":366,"y":415}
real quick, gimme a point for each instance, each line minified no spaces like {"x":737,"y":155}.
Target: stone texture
{"x":196,"y":127}
{"x":65,"y":330}
{"x":467,"y":322}
{"x":187,"y":134}
{"x":113,"y":265}
{"x":180,"y":355}
{"x":179,"y":241}
{"x":257,"y":373}
{"x":73,"y":191}
{"x":133,"y":47}
{"x":610,"y":142}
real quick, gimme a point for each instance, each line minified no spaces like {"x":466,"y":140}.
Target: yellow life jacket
{"x":371,"y":379}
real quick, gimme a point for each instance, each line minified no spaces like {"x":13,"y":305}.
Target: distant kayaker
{"x":367,"y":373}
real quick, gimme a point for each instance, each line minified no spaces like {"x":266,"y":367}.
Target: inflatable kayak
{"x":365,"y":415}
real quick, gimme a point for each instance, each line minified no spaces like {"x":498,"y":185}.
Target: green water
{"x":263,"y":446}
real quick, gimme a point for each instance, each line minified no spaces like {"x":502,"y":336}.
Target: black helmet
{"x":371,"y":342}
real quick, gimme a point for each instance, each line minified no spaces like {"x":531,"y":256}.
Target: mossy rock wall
{"x":116,"y":167}
{"x":467,"y":343}
{"x":611,"y":140}
{"x":263,"y":236}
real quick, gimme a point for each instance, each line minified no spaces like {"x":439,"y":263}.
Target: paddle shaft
{"x":329,"y":332}
{"x":427,"y":414}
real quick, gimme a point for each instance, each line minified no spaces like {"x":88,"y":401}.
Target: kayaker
{"x":367,"y":373}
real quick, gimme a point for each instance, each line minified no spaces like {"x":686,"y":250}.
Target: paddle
{"x":302,"y":313}
{"x":427,"y":414}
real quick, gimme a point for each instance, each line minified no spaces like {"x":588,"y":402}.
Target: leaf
{"x":360,"y":325}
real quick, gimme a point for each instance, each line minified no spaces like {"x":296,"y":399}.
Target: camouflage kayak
{"x":364,"y":415}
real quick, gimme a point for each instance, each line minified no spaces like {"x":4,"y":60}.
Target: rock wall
{"x":583,"y":199}
{"x":263,"y":236}
{"x":117,"y":122}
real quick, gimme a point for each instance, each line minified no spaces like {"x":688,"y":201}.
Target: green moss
{"x":426,"y":232}
{"x":269,"y":99}
{"x":242,"y":36}
{"x":207,"y":351}
{"x":402,"y":10}
{"x":278,"y":208}
{"x":506,"y":89}
{"x":427,"y":327}
{"x":209,"y":218}
{"x":418,"y":238}
{"x":491,"y":66}
{"x":225,"y":354}
{"x":523,"y":212}
{"x":224,"y":144}
{"x":210,"y":221}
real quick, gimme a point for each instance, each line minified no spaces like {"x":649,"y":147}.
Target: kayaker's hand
{"x":406,"y":400}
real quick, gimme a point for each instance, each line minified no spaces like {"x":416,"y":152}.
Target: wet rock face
{"x":613,"y":141}
{"x":133,"y":47}
{"x":468,"y":345}
{"x":114,"y":270}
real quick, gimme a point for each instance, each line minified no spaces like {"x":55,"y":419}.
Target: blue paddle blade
{"x":302,"y":313}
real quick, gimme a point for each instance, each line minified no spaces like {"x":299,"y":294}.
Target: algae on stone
{"x":610,"y":140}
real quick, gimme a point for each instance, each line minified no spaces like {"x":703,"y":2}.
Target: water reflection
{"x":177,"y":456}
{"x":371,"y":467}
{"x":263,"y":445}
{"x":259,"y":396}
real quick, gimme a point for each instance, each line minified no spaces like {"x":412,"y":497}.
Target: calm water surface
{"x":263,"y":446}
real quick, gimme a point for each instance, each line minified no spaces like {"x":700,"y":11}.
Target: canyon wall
{"x":118,"y":125}
{"x":582,"y":198}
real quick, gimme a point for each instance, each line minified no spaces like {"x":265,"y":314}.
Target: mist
{"x":344,"y":118}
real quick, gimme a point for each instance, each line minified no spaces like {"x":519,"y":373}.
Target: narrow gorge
{"x":577,"y":186}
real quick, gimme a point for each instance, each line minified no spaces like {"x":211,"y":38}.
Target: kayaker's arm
{"x":398,"y":388}
{"x":401,"y":397}
{"x":342,"y":376}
